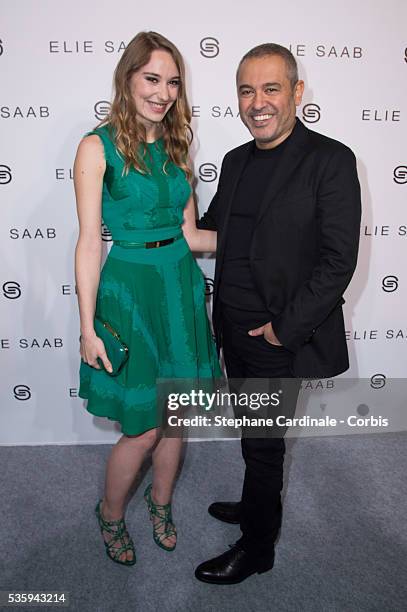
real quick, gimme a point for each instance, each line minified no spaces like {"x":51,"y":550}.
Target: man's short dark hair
{"x":274,"y":49}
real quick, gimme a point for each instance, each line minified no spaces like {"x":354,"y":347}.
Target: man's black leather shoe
{"x":228,"y":512}
{"x":235,"y":565}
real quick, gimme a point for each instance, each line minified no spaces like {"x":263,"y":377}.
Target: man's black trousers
{"x":248,"y":357}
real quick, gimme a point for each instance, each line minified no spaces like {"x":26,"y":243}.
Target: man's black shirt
{"x":237,"y":291}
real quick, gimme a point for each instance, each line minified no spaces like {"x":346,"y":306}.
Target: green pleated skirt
{"x":155,"y":299}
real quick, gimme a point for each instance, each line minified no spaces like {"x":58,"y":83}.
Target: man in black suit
{"x":287,"y":213}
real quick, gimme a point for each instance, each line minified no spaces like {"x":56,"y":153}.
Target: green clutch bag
{"x":116,"y":350}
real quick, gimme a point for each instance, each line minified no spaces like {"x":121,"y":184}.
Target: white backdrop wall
{"x":57,"y":61}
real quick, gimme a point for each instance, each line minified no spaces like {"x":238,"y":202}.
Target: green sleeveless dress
{"x":154,"y":298}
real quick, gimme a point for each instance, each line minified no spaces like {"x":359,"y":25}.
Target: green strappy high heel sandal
{"x":163,"y":528}
{"x":119,"y":533}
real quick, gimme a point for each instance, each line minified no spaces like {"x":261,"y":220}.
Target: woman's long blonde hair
{"x":128,"y":132}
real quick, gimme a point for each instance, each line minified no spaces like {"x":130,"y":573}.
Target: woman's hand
{"x":92,"y":348}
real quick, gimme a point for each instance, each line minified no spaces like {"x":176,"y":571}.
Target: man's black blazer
{"x":304,"y":245}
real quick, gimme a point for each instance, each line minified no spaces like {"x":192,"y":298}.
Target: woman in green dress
{"x":132,"y":172}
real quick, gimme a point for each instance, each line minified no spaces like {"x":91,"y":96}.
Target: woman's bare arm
{"x":89,"y":168}
{"x":203,"y":241}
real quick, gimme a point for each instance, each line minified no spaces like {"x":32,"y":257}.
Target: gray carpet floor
{"x":343,"y":545}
